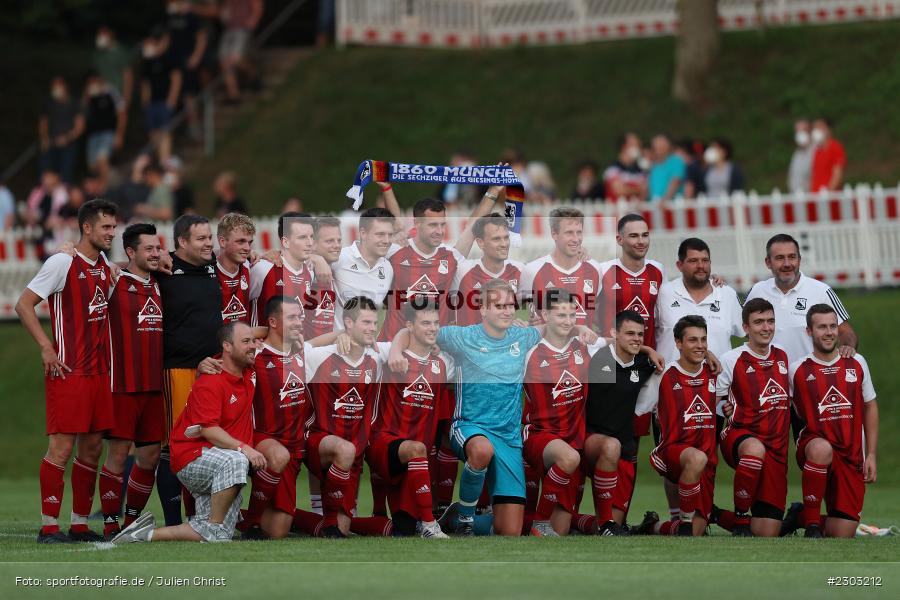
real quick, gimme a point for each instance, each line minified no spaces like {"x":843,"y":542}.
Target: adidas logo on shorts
{"x":336,"y":494}
{"x":743,"y":494}
{"x":810,"y":498}
{"x":423,"y":490}
{"x":110,"y":495}
{"x":51,"y":500}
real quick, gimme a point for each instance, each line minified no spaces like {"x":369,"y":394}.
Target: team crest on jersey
{"x":588,"y":286}
{"x":773,"y":393}
{"x":298,"y":359}
{"x":351,"y":402}
{"x":697,"y":410}
{"x":381,"y":273}
{"x":244,"y":284}
{"x":514,"y":349}
{"x":567,"y":384}
{"x":253,"y":378}
{"x":423,"y":287}
{"x":782,"y":368}
{"x":850,"y":375}
{"x":443,"y":267}
{"x":634,"y":377}
{"x":833,"y":401}
{"x":579,"y":358}
{"x":150,"y":313}
{"x":419,"y":389}
{"x":292,"y":388}
{"x":435,"y":367}
{"x":308,"y":288}
{"x":715,"y":306}
{"x":514,"y":284}
{"x":368,"y":376}
{"x":103,"y":275}
{"x":711,"y":385}
{"x":210,"y":270}
{"x":654,"y":288}
{"x":234,"y":310}
{"x":638,"y":306}
{"x":98,"y":302}
{"x":801,"y":304}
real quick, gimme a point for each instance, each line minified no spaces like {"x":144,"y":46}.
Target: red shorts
{"x":79,"y":404}
{"x":400,"y":495}
{"x":295,"y":448}
{"x":772,"y":488}
{"x":533,"y":453}
{"x":667,"y":462}
{"x":846,"y":487}
{"x":641,"y":424}
{"x":139,"y":417}
{"x":313,"y":461}
{"x":286,"y":493}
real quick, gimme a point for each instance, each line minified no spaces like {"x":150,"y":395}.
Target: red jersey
{"x":267,"y":280}
{"x":624,"y":290}
{"x":556,"y":389}
{"x":319,"y":311}
{"x":221,"y":400}
{"x":77,"y":289}
{"x":829,"y":398}
{"x":582,"y":281}
{"x":235,"y":293}
{"x":470,"y":276}
{"x":686,"y":405}
{"x":419,"y":275}
{"x":343,"y":393}
{"x":408,"y":403}
{"x":757,"y":387}
{"x":135,"y":334}
{"x":281,"y":404}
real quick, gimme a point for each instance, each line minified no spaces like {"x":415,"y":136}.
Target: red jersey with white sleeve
{"x":556,"y":389}
{"x":829,"y":398}
{"x":343,"y":393}
{"x":135,"y":328}
{"x":267,"y":280}
{"x":624,"y":290}
{"x":281,"y":402}
{"x":419,"y":275}
{"x":223,"y":400}
{"x":757,"y":388}
{"x":77,"y":289}
{"x":582,"y":281}
{"x":235,"y":293}
{"x":471,"y":275}
{"x":408,"y":403}
{"x":319,"y":311}
{"x":686,"y":405}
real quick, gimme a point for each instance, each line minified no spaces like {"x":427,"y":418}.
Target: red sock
{"x":604,"y":483}
{"x":668,"y":527}
{"x":265,"y":483}
{"x":445,"y":478}
{"x":585,"y":524}
{"x":379,"y":494}
{"x":336,"y":488}
{"x":187,"y":498}
{"x":814,"y":482}
{"x":140,"y":484}
{"x":532,"y":489}
{"x":110,"y":499}
{"x":746,"y":480}
{"x":309,"y":522}
{"x":553,"y":490}
{"x":52,"y":486}
{"x":727,"y":520}
{"x":417,"y":479}
{"x":372,"y":526}
{"x":83,"y":481}
{"x":689,"y":496}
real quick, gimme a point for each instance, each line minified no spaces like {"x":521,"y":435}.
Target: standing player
{"x":564,"y":268}
{"x":835,"y":400}
{"x":685,"y":397}
{"x":754,"y":377}
{"x":235,"y":232}
{"x":136,"y":345}
{"x":76,"y":367}
{"x":319,"y":318}
{"x":556,"y":374}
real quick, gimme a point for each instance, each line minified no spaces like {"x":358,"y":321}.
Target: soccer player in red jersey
{"x":754,"y":377}
{"x":319,"y":318}
{"x":294,"y":278}
{"x":76,"y":367}
{"x":685,"y":397}
{"x":564,"y":268}
{"x":835,"y":400}
{"x":235,"y":233}
{"x":556,"y":375}
{"x":135,"y":322}
{"x":406,"y":419}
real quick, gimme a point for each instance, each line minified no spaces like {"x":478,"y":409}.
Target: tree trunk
{"x":695,"y":49}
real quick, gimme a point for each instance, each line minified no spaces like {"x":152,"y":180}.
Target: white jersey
{"x":353,"y":276}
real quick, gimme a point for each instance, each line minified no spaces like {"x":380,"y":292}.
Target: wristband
{"x":387,"y":189}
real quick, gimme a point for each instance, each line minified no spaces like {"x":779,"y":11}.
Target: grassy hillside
{"x":562,"y":105}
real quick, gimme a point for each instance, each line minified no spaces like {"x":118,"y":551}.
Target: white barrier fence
{"x":848,"y":239}
{"x":478,"y":23}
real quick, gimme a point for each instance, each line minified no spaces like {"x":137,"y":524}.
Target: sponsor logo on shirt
{"x":773,"y":393}
{"x":697,"y":410}
{"x":419,"y":389}
{"x":350,"y":402}
{"x":568,"y":384}
{"x":292,"y":388}
{"x":833,"y":402}
{"x":151,"y":313}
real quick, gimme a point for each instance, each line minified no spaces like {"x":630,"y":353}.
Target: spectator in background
{"x":132,"y":192}
{"x":240,"y":19}
{"x":516,"y":161}
{"x":105,"y":118}
{"x":43,"y":204}
{"x":691,"y":152}
{"x":625,"y":178}
{"x":93,"y":187}
{"x":59,"y":127}
{"x":722,"y":176}
{"x":160,"y":204}
{"x":7,"y":208}
{"x":800,"y":169}
{"x":292,"y":205}
{"x":182,"y":193}
{"x":67,"y":218}
{"x":829,"y":159}
{"x":160,"y":88}
{"x":588,"y":187}
{"x":454,"y":193}
{"x":227,"y":199}
{"x":542,"y":189}
{"x":668,"y":172}
{"x":186,"y":48}
{"x":114,"y":63}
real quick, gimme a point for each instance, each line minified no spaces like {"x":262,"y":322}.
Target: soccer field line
{"x":454,"y":562}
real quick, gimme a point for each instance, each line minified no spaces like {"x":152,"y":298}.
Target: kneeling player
{"x":754,"y":377}
{"x":685,"y":397}
{"x":835,"y":399}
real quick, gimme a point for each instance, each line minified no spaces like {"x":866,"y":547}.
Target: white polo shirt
{"x":721,"y":309}
{"x":353,"y":276}
{"x":791,"y":309}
